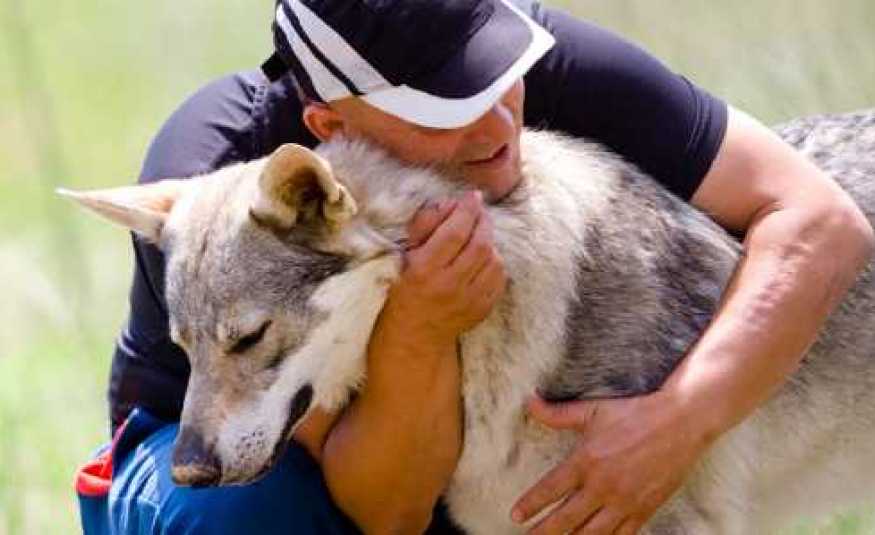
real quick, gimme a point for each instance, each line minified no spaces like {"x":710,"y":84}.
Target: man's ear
{"x":142,"y":209}
{"x":297,"y":186}
{"x":322,"y":121}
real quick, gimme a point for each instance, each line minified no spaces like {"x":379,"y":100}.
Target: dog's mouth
{"x":297,"y":408}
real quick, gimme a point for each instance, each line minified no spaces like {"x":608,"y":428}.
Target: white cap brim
{"x":432,"y":111}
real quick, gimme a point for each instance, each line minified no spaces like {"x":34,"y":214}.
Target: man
{"x":451,"y":84}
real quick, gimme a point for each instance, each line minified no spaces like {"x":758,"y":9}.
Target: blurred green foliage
{"x":84,"y":85}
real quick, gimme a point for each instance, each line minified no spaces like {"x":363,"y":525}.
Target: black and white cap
{"x":435,"y":63}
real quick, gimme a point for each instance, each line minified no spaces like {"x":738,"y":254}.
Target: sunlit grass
{"x":84,"y":86}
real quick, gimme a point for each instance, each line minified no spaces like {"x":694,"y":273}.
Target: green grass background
{"x":85,"y":84}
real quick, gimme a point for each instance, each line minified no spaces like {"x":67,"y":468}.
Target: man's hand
{"x":452,"y":274}
{"x":633,"y":454}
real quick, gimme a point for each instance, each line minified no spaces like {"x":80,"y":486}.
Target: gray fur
{"x":645,"y":250}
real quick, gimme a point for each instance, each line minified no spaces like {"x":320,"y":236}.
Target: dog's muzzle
{"x":297,"y":409}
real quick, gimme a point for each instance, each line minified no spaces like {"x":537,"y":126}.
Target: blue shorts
{"x":126,"y":489}
{"x":141,"y":498}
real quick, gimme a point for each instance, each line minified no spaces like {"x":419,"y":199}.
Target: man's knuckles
{"x":438,"y":288}
{"x":457,"y":234}
{"x":482,"y":249}
{"x":415,"y":274}
{"x":424,"y":222}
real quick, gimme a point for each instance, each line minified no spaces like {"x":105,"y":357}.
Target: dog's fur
{"x":611,"y":281}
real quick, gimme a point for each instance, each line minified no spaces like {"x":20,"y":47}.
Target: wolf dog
{"x":278,"y":268}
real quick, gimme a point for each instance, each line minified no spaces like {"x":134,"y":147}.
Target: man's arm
{"x":392,"y":451}
{"x":805,"y":243}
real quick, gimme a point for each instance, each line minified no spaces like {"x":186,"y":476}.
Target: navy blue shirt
{"x":592,"y":84}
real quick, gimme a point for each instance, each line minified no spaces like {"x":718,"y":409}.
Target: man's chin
{"x":495,"y":183}
{"x":498,"y":188}
{"x":502,"y":196}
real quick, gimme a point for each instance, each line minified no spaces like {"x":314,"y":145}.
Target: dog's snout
{"x":194,"y":462}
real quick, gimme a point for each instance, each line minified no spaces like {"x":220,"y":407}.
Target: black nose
{"x":194,"y":463}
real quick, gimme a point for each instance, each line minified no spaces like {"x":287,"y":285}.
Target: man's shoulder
{"x":599,"y":85}
{"x":237,"y":117}
{"x":586,"y":59}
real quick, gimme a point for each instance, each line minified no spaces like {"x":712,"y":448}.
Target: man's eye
{"x":250,"y":340}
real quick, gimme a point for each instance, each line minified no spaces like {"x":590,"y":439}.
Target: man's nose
{"x":194,"y":462}
{"x":496,"y":125}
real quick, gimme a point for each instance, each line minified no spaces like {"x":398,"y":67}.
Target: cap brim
{"x":425,"y":107}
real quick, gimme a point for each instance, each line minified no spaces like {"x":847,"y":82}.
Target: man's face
{"x":486,"y":153}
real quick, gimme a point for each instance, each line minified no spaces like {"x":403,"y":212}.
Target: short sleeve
{"x":597,"y":85}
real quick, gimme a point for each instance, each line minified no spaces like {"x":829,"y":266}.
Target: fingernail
{"x":517,"y":516}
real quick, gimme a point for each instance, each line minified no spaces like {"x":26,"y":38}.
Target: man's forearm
{"x":393,"y":451}
{"x":797,"y":267}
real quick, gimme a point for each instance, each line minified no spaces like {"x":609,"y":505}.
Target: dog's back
{"x":635,"y":274}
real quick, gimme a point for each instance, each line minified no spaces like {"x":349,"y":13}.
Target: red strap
{"x":94,"y":478}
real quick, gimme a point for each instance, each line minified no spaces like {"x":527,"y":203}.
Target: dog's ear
{"x":298,"y":186}
{"x":142,"y":208}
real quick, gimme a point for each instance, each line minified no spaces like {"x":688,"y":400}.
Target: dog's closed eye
{"x":250,"y":340}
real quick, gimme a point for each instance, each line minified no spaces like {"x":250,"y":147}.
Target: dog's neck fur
{"x":522,"y":340}
{"x":387,"y":194}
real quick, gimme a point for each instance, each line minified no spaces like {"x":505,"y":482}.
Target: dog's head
{"x":274,"y":280}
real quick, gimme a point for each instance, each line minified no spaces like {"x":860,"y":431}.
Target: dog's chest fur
{"x":506,"y":357}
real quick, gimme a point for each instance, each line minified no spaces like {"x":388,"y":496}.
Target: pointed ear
{"x":142,"y":209}
{"x":298,"y":186}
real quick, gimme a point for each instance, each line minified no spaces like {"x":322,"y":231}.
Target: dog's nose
{"x":194,"y":463}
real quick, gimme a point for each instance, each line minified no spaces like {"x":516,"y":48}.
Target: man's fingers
{"x":426,"y":220}
{"x":486,"y":288}
{"x":573,"y":512}
{"x":478,"y":254}
{"x":451,"y":236}
{"x":604,"y":522}
{"x":551,"y":488}
{"x":629,"y":527}
{"x":562,"y":415}
{"x":491,"y":280}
